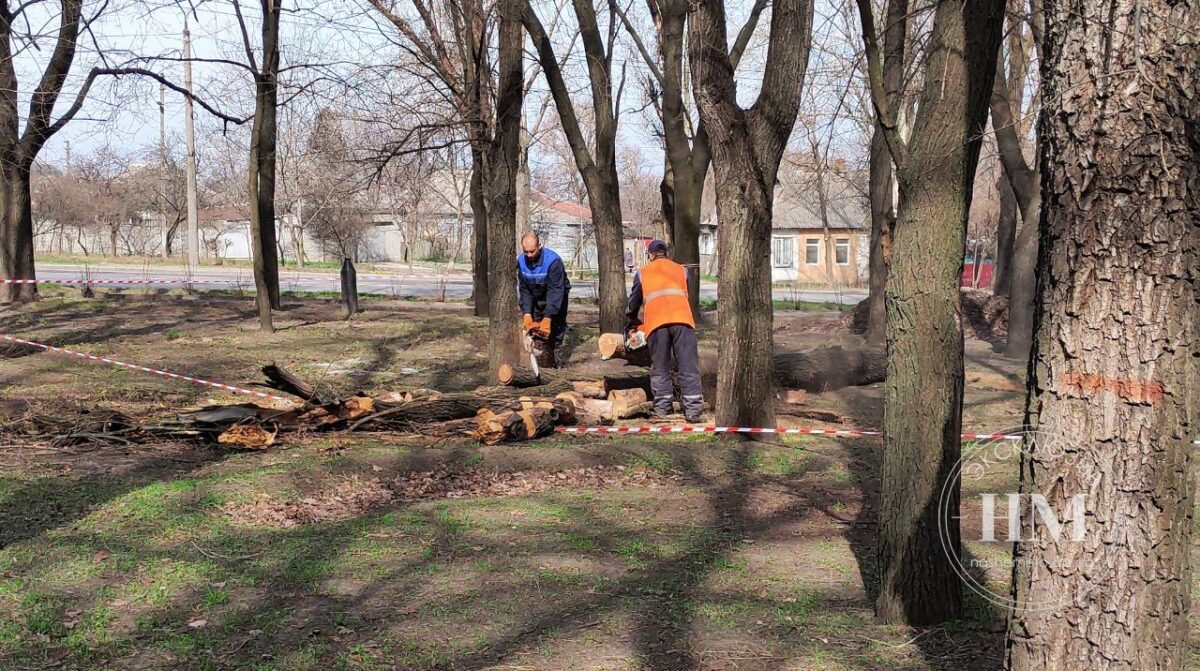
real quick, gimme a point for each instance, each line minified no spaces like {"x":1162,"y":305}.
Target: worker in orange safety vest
{"x":660,"y":293}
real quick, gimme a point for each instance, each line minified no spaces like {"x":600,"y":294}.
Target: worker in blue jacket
{"x":543,"y":293}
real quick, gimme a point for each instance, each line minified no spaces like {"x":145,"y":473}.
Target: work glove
{"x":631,"y":327}
{"x":544,"y":326}
{"x":528,"y":323}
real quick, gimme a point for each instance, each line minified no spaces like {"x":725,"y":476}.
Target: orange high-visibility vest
{"x":665,"y":295}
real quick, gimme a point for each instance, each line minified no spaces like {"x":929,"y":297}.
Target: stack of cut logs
{"x":523,"y":407}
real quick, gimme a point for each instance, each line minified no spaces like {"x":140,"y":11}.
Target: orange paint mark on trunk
{"x":1137,"y":391}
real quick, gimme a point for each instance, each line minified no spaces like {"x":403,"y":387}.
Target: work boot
{"x":693,"y":419}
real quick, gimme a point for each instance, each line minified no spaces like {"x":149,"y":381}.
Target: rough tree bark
{"x":1115,"y":371}
{"x":747,"y":145}
{"x":924,"y":387}
{"x":261,"y":173}
{"x":597,"y":160}
{"x":504,"y":326}
{"x":881,"y":181}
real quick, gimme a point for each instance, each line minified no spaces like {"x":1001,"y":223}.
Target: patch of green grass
{"x":721,"y":614}
{"x":216,"y":597}
{"x":659,"y":461}
{"x":581,"y":542}
{"x":44,"y":614}
{"x":794,"y":611}
{"x":636,"y":552}
{"x":563,"y":577}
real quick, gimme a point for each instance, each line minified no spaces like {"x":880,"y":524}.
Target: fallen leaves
{"x":354,"y":495}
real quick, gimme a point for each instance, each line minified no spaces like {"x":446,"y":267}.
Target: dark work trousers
{"x":679,"y":341}
{"x":558,"y":328}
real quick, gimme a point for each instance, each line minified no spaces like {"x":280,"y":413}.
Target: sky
{"x":353,"y":43}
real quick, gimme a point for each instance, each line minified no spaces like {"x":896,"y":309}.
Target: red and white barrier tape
{"x":842,"y":433}
{"x":855,"y":433}
{"x":284,"y":282}
{"x":144,"y":369}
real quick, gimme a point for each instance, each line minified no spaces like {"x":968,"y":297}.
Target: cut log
{"x":830,"y":368}
{"x":588,"y":411}
{"x":612,"y":346}
{"x":549,"y":387}
{"x":633,"y":377}
{"x":624,"y":400}
{"x":639,"y":410}
{"x":516,"y":376}
{"x":590,"y":388}
{"x":512,"y":425}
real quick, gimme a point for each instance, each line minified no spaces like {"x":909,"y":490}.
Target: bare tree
{"x":261,"y":173}
{"x":923,"y":393}
{"x":1025,"y":182}
{"x":451,"y":45}
{"x":596,"y":159}
{"x":1010,"y":89}
{"x":685,"y":138}
{"x":19,"y":148}
{"x":747,"y":145}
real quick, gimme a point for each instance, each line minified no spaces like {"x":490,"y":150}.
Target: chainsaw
{"x":535,"y":343}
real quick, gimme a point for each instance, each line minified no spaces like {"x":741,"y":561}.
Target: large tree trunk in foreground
{"x":918,"y":533}
{"x":504,"y":323}
{"x":1116,"y":362}
{"x":747,"y":146}
{"x":16,"y":236}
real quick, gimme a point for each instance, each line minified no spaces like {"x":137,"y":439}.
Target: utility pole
{"x":162,"y":164}
{"x":193,"y":213}
{"x":68,"y":156}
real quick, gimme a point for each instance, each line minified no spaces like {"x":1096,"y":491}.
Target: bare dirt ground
{"x":353,"y":551}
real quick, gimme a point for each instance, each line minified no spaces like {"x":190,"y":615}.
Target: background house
{"x":800,"y":247}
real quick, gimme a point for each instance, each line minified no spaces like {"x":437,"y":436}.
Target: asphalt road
{"x":404,"y":282}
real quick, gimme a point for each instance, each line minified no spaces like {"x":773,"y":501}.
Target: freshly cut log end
{"x":516,"y":376}
{"x":626,"y":402}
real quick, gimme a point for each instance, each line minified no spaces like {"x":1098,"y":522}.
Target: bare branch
{"x":885,"y":107}
{"x":747,"y":32}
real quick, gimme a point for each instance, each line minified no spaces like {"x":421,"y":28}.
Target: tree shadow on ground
{"x":973,"y":646}
{"x":52,"y":501}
